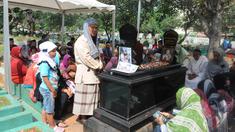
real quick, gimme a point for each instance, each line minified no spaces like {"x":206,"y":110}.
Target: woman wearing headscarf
{"x":88,"y":63}
{"x":64,"y":65}
{"x":189,"y":119}
{"x":18,"y":67}
{"x":214,"y":105}
{"x":204,"y":90}
{"x":217,"y":65}
{"x":30,"y":78}
{"x":18,"y":70}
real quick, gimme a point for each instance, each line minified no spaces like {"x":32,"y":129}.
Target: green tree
{"x":158,"y":22}
{"x":229,"y":20}
{"x":205,"y":15}
{"x":156,"y":16}
{"x":16,"y":18}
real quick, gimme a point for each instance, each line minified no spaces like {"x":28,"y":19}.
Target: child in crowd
{"x":48,"y":87}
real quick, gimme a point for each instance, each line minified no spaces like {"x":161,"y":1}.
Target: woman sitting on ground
{"x":217,"y":108}
{"x":67,"y":67}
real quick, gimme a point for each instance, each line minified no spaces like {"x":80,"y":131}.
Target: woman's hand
{"x":48,"y":84}
{"x":159,"y":120}
{"x":167,"y":115}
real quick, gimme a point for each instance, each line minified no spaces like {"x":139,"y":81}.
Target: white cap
{"x":47,"y":46}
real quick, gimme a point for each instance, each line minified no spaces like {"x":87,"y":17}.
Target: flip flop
{"x":58,"y":129}
{"x":61,"y":124}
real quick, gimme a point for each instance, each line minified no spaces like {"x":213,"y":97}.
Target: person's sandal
{"x":58,"y":129}
{"x":61,"y":124}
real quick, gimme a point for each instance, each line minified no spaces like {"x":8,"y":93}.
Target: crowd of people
{"x":207,"y":99}
{"x":66,"y":75}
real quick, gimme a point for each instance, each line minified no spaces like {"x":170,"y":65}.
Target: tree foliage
{"x":206,"y":16}
{"x":156,"y":16}
{"x":158,"y":22}
{"x":229,"y":20}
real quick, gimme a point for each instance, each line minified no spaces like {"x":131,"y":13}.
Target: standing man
{"x":226,"y":43}
{"x":196,"y":69}
{"x":88,"y":63}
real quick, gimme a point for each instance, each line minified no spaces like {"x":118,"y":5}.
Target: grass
{"x":1,"y":45}
{"x":4,"y":102}
{"x":33,"y":129}
{"x":1,"y":53}
{"x":1,"y":48}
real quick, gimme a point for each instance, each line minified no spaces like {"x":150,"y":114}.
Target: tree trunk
{"x":214,"y":42}
{"x":214,"y":33}
{"x":108,"y":35}
{"x":185,"y":35}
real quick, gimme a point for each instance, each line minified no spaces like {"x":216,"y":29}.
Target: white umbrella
{"x":67,"y":6}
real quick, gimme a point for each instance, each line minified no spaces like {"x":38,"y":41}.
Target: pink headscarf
{"x":65,"y":60}
{"x":207,"y":110}
{"x":35,"y":57}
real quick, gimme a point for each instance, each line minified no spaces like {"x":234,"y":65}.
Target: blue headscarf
{"x":94,"y":52}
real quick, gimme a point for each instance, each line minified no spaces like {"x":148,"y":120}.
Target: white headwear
{"x":45,"y":48}
{"x":94,"y":52}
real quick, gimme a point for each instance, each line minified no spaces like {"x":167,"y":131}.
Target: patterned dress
{"x":190,"y":118}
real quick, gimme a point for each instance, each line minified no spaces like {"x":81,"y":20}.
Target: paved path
{"x":73,"y":125}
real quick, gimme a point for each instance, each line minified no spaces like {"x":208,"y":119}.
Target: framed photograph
{"x":125,"y":55}
{"x":168,"y":54}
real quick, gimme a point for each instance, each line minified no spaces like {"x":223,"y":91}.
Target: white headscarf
{"x":45,"y":48}
{"x":94,"y":52}
{"x":217,"y":66}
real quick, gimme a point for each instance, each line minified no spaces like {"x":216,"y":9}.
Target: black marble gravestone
{"x":127,"y":101}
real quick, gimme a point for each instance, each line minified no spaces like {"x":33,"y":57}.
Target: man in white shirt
{"x":196,"y":69}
